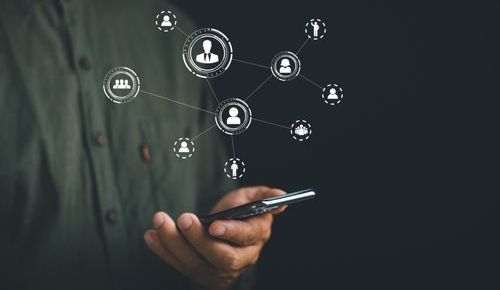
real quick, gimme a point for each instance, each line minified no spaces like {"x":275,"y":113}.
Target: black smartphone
{"x":259,"y":207}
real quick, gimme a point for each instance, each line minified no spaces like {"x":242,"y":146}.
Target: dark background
{"x":407,"y":166}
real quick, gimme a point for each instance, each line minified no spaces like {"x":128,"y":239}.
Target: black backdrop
{"x":407,"y":166}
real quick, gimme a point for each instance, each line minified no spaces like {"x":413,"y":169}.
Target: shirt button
{"x":85,"y":63}
{"x":100,"y":139}
{"x":145,"y":152}
{"x":112,"y":216}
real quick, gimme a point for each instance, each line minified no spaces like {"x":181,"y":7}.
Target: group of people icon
{"x":301,"y":130}
{"x":121,"y":84}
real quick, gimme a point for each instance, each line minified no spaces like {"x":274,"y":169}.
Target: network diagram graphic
{"x":207,"y":53}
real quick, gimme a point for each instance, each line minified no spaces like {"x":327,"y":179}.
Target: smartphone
{"x":259,"y":207}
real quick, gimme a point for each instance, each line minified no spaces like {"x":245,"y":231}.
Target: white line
{"x":251,"y":63}
{"x":311,"y":81}
{"x":271,"y":123}
{"x":232,"y":142}
{"x":260,"y":86}
{"x":182,"y":31}
{"x":177,"y":102}
{"x":302,"y":46}
{"x":205,"y":131}
{"x":213,"y":92}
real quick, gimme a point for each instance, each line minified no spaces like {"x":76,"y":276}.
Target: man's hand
{"x":215,"y":258}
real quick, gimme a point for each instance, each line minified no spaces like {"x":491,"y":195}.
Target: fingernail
{"x":158,"y":219}
{"x":150,"y":239}
{"x":185,"y":223}
{"x":219,"y":231}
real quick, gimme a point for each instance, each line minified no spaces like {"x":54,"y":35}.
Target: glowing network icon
{"x":285,"y":66}
{"x":233,"y":116}
{"x":207,"y":53}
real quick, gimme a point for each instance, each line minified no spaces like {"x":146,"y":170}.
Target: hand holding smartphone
{"x":259,"y":207}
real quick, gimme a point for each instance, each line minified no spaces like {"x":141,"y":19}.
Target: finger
{"x":244,"y":195}
{"x":277,"y":192}
{"x":154,"y":243}
{"x":262,"y":192}
{"x":220,"y":254}
{"x":175,"y":242}
{"x":243,"y":233}
{"x":238,"y":197}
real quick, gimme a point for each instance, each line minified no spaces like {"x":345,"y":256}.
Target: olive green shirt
{"x":80,"y":176}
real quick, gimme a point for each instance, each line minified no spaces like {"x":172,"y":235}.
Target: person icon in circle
{"x":233,"y":118}
{"x":184,"y":148}
{"x":117,"y":84}
{"x":126,"y":85}
{"x":315,"y":27}
{"x":166,"y":21}
{"x":285,"y":66}
{"x":207,"y":56}
{"x":234,"y":168}
{"x":333,"y":94}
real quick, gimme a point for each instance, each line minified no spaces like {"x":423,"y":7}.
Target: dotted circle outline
{"x":187,"y":57}
{"x":163,"y":13}
{"x":304,"y":122}
{"x":322,"y":23}
{"x":136,"y":85}
{"x":325,"y":98}
{"x":190,"y":153}
{"x":295,"y":60}
{"x":236,"y":102}
{"x":237,"y":161}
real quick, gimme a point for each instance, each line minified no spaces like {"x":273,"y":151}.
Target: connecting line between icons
{"x":232,"y":143}
{"x":204,"y":131}
{"x":251,"y":63}
{"x":271,"y":123}
{"x":177,"y":102}
{"x":260,"y":86}
{"x":302,"y":46}
{"x":121,"y":85}
{"x":181,"y":31}
{"x":315,"y":84}
{"x":212,"y":89}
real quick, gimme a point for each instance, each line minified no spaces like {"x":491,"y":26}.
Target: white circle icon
{"x":184,"y":148}
{"x":234,"y":168}
{"x":207,"y":53}
{"x":121,"y":85}
{"x":285,"y":65}
{"x":300,"y":130}
{"x":315,"y":29}
{"x":233,"y":116}
{"x":332,"y":94}
{"x":165,"y":21}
